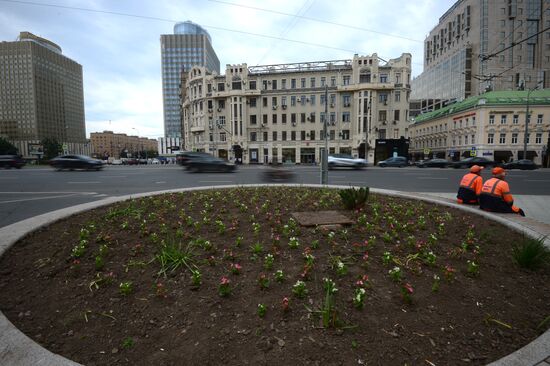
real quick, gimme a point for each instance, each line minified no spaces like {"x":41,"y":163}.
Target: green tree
{"x":52,"y":148}
{"x":6,"y":147}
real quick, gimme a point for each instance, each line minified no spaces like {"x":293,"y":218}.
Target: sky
{"x":117,"y":42}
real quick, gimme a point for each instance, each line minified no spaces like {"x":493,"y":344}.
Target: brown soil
{"x":69,"y":306}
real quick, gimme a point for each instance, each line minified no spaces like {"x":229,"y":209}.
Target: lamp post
{"x":324,"y":157}
{"x":527,"y":120}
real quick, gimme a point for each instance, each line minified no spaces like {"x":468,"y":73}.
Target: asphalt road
{"x":32,"y":191}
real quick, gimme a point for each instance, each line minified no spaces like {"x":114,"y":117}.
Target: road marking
{"x":39,"y":198}
{"x":161,"y":182}
{"x":83,"y":182}
{"x":432,"y":178}
{"x":100,"y":195}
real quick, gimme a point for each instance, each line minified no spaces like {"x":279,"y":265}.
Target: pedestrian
{"x":495,"y":195}
{"x":470,"y":186}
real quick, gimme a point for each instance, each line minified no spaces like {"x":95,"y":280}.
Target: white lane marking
{"x":161,"y":182}
{"x":537,"y":180}
{"x":39,"y":198}
{"x":100,"y":195}
{"x":83,"y":182}
{"x":431,"y":178}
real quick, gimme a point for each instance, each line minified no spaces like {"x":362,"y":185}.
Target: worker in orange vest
{"x":470,"y":186}
{"x":495,"y":195}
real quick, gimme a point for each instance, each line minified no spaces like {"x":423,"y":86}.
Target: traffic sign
{"x":426,"y":151}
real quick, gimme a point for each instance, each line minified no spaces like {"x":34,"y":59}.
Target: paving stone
{"x":314,"y":218}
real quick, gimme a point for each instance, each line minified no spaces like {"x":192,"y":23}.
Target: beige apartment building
{"x":276,"y":113}
{"x":109,"y":144}
{"x":491,"y":125}
{"x":483,"y":45}
{"x":41,"y":96}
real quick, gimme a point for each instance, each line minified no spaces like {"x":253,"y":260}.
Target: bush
{"x":354,"y":198}
{"x":531,"y":253}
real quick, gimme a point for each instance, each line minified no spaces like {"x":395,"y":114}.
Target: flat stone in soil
{"x":314,"y":218}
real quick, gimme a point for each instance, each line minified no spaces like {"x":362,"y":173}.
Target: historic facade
{"x":109,"y":144}
{"x":490,"y":125}
{"x":41,"y":95}
{"x":276,"y":113}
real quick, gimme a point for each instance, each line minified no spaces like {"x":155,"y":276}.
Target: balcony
{"x":196,"y":129}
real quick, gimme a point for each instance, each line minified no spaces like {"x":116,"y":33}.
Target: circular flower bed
{"x":230,"y":277}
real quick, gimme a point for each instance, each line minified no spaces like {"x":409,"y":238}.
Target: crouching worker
{"x":495,"y":195}
{"x":470,"y":186}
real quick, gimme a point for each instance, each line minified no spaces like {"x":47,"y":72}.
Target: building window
{"x":323,"y":81}
{"x":223,"y":137}
{"x":303,"y":100}
{"x":303,"y":83}
{"x":397,"y":96}
{"x":252,"y":136}
{"x":265,"y":136}
{"x":284,"y":136}
{"x":503,"y":119}
{"x":274,"y":136}
{"x":303,"y":117}
{"x":303,"y":135}
{"x":383,"y":78}
{"x":253,"y":119}
{"x":322,"y":99}
{"x":539,"y":119}
{"x":283,"y":84}
{"x":323,"y":117}
{"x":345,"y":134}
{"x":293,"y":100}
{"x":332,"y":135}
{"x":312,"y":99}
{"x":347,"y":100}
{"x":283,"y":118}
{"x":515,"y":119}
{"x":333,"y":81}
{"x":396,"y":115}
{"x":292,"y":83}
{"x":264,"y":101}
{"x":274,"y":84}
{"x":346,"y":117}
{"x":490,"y":139}
{"x":333,"y":117}
{"x":312,"y":117}
{"x":383,"y":98}
{"x":491,"y":119}
{"x":473,"y":139}
{"x":293,"y":135}
{"x":283,"y":101}
{"x":346,"y":79}
{"x":502,"y":138}
{"x":538,"y":138}
{"x":274,"y":101}
{"x":312,"y":82}
{"x":382,"y":116}
{"x":274,"y":118}
{"x":312,"y":135}
{"x":514,"y":138}
{"x":293,"y":117}
{"x":221,"y":87}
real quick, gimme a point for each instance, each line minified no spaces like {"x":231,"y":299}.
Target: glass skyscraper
{"x":190,"y":45}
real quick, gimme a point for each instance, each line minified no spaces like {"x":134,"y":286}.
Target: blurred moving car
{"x":183,"y":158}
{"x":522,"y":164}
{"x":398,"y":161}
{"x":433,"y":163}
{"x":209,"y":163}
{"x":345,"y":161}
{"x":72,"y":162}
{"x":11,"y":161}
{"x":469,"y":162}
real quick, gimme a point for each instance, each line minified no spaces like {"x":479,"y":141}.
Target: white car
{"x":117,"y":162}
{"x":345,"y":160}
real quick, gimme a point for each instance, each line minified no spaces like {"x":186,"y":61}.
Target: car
{"x":399,"y":161}
{"x":209,"y":163}
{"x":183,"y":158}
{"x":469,"y":162}
{"x":522,"y":164}
{"x":432,"y":163}
{"x":345,"y":161}
{"x":11,"y":161}
{"x":72,"y":162}
{"x":142,"y":161}
{"x":131,"y":161}
{"x":116,"y":162}
{"x":278,"y":174}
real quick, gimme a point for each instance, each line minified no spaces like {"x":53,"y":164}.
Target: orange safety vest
{"x":470,"y":188}
{"x":495,"y":196}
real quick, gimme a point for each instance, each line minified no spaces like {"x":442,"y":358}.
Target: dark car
{"x":130,"y":161}
{"x":469,"y":162}
{"x":278,"y":174}
{"x":433,"y":163}
{"x":72,"y":162}
{"x":183,"y":158}
{"x":522,"y":164}
{"x":399,"y":161}
{"x":209,"y":163}
{"x":11,"y":161}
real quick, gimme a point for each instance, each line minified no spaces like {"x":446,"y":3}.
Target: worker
{"x":495,"y":195}
{"x":470,"y":186}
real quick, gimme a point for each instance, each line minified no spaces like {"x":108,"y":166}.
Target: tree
{"x":52,"y":148}
{"x":7,"y":148}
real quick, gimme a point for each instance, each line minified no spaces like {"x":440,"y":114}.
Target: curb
{"x":16,"y":349}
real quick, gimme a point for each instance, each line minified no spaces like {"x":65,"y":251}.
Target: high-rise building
{"x":190,"y":45}
{"x":483,"y":45}
{"x":275,"y":113}
{"x":41,"y":95}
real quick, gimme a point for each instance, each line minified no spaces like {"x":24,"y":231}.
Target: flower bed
{"x":227,"y":276}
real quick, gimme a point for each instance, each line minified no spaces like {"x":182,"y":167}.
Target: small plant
{"x":396,"y":274}
{"x":127,"y":343}
{"x":126,"y":288}
{"x":99,"y":263}
{"x":257,"y":248}
{"x":79,"y":249}
{"x":341,"y":268}
{"x":449,"y":273}
{"x":293,"y":243}
{"x":386,"y":258}
{"x":430,"y":258}
{"x":285,"y":304}
{"x":315,"y":244}
{"x":328,"y":312}
{"x":220,"y":226}
{"x":256,"y":228}
{"x":407,"y":291}
{"x":160,"y":289}
{"x":224,"y":288}
{"x":279,"y":276}
{"x":236,"y":268}
{"x":299,"y":289}
{"x":268,"y":261}
{"x":436,"y":282}
{"x":263,"y":281}
{"x":359,"y":298}
{"x":473,"y":268}
{"x":238,"y":241}
{"x":432,"y":239}
{"x":309,"y":259}
{"x":173,"y":256}
{"x":196,"y":278}
{"x":353,"y":198}
{"x":262,"y":309}
{"x":531,"y":253}
{"x":329,"y":285}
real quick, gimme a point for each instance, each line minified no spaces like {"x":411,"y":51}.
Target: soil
{"x":92,"y":287}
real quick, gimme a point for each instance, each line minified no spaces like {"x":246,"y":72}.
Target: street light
{"x":527,"y":120}
{"x":324,"y":157}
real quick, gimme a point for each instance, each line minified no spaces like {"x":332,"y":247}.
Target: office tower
{"x":482,"y":45}
{"x":190,"y":45}
{"x":41,"y":95}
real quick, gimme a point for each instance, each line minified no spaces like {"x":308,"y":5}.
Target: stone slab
{"x":314,"y":218}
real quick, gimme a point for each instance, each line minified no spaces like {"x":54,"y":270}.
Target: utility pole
{"x":527,"y":120}
{"x":324,"y":155}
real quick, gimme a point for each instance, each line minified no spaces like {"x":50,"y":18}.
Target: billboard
{"x":36,"y":149}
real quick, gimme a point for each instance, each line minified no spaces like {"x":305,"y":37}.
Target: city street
{"x":32,"y":191}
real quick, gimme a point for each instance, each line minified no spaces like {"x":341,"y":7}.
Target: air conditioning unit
{"x":210,"y":110}
{"x":307,"y":100}
{"x":214,"y":89}
{"x":284,"y":106}
{"x":394,"y":122}
{"x":384,"y":123}
{"x":274,"y":107}
{"x":331,"y":105}
{"x":247,"y":102}
{"x":294,"y":123}
{"x":219,"y":109}
{"x":385,"y":102}
{"x":346,"y":104}
{"x":333,"y":123}
{"x":309,"y":118}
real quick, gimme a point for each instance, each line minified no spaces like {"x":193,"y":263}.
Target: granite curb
{"x":16,"y":349}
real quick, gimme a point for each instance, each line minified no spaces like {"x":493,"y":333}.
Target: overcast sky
{"x":120,"y":54}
